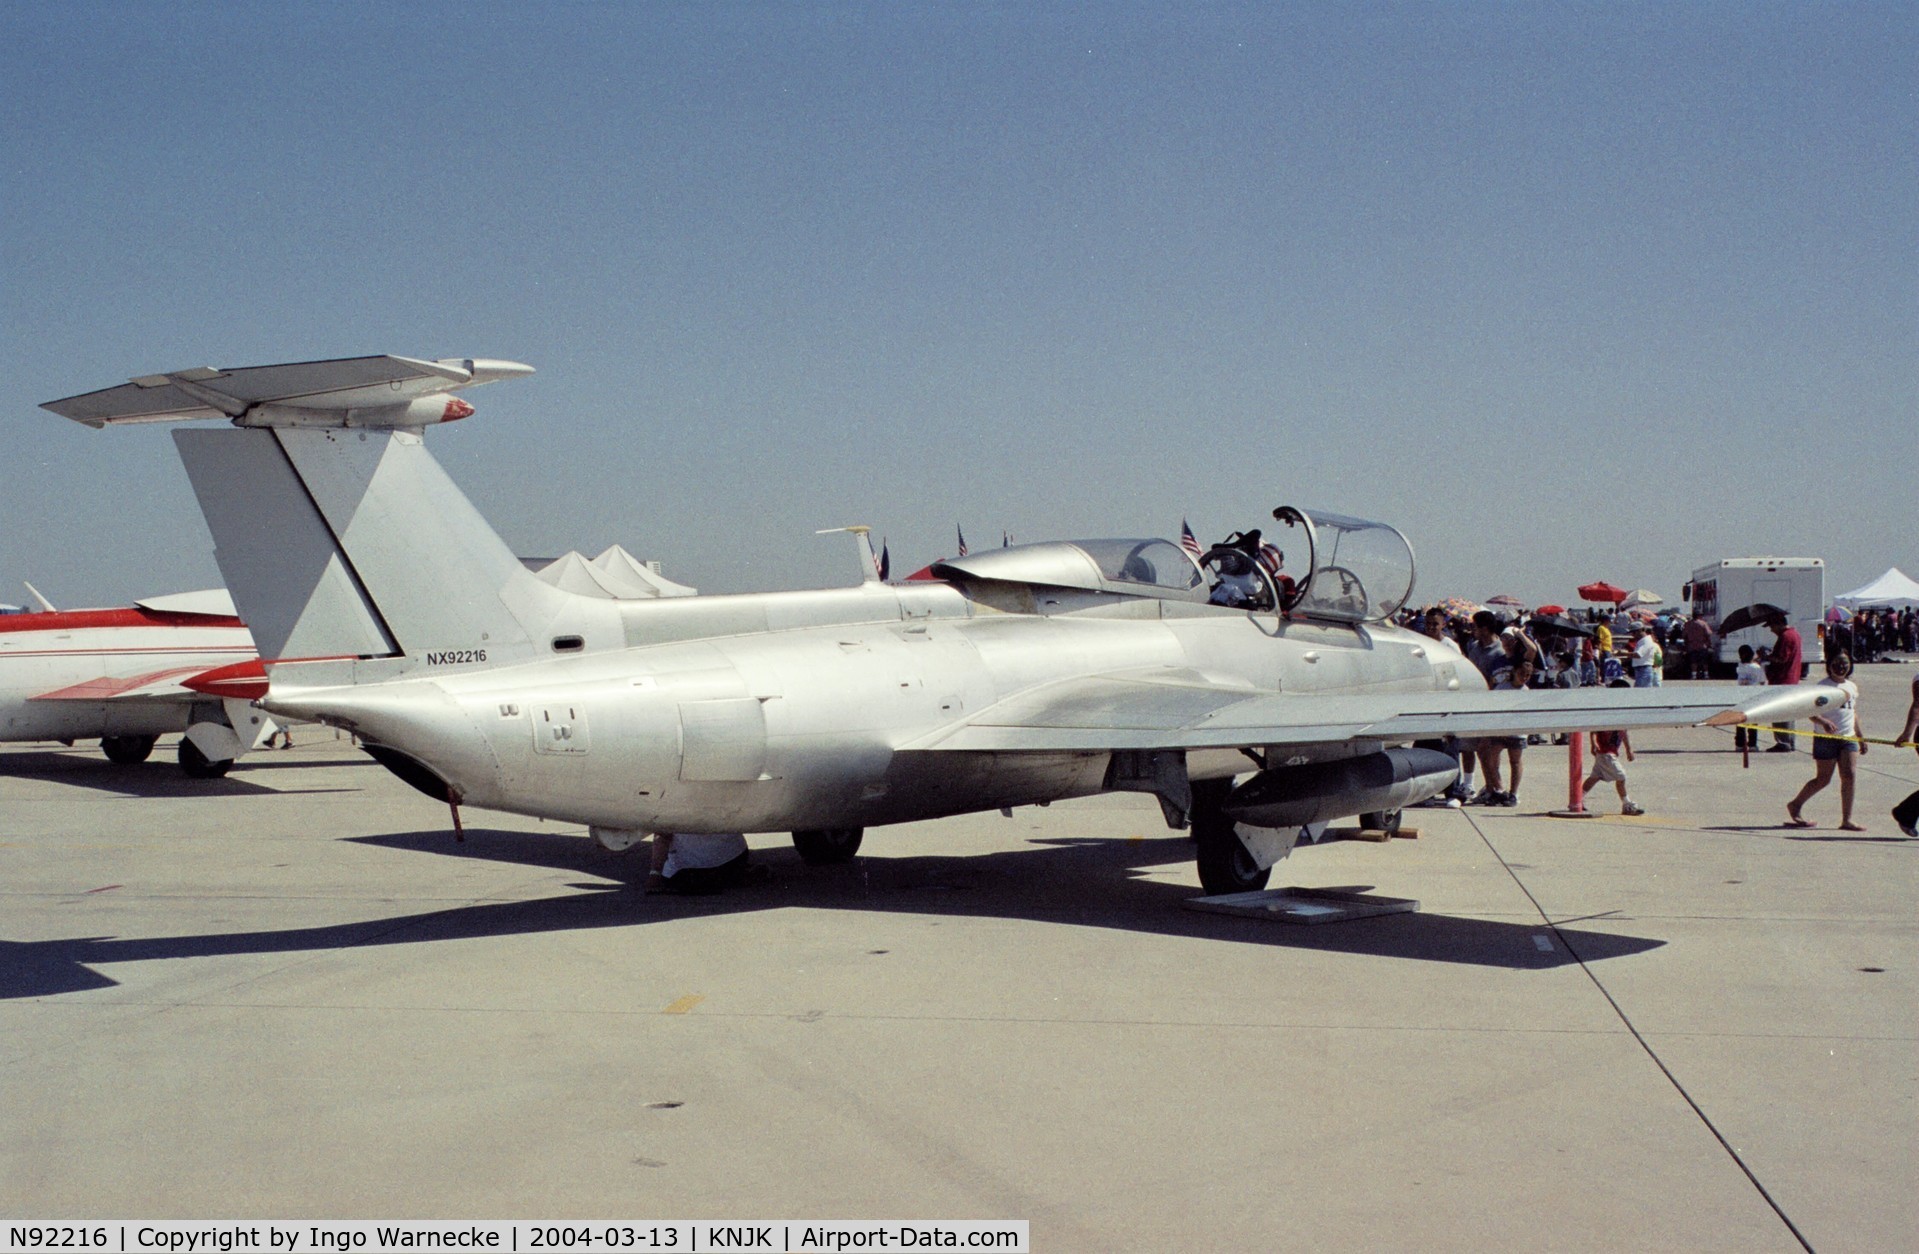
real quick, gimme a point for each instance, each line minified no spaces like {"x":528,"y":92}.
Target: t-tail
{"x":347,"y":548}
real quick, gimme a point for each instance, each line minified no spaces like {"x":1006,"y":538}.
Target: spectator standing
{"x":1436,"y":627}
{"x":1488,"y":652}
{"x":1698,"y":637}
{"x":1645,"y":654}
{"x":1750,"y":675}
{"x":1906,"y":813}
{"x":1831,"y":752}
{"x":1782,"y":668}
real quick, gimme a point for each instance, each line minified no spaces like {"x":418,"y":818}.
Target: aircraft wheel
{"x":199,"y":766}
{"x":1225,"y":866}
{"x":824,"y":848}
{"x":127,"y":750}
{"x":1387,"y":821}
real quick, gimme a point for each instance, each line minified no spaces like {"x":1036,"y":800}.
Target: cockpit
{"x":1154,"y":568}
{"x":1354,"y":571}
{"x":1357,"y":571}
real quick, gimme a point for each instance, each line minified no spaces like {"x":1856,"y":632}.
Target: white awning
{"x":1894,"y":588}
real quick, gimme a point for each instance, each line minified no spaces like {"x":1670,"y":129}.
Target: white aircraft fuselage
{"x":815,"y":726}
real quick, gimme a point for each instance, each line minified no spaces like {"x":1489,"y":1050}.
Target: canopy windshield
{"x":1360,"y":572}
{"x":1144,"y":567}
{"x":1156,"y":563}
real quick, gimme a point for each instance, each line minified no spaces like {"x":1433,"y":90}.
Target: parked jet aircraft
{"x":1017,"y":676}
{"x":181,"y":663}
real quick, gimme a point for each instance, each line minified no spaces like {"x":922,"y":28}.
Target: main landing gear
{"x":198,"y":765}
{"x":1225,"y":864}
{"x":128,"y":750}
{"x":828,"y":846}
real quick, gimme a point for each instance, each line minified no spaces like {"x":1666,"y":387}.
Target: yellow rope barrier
{"x":1819,"y":735}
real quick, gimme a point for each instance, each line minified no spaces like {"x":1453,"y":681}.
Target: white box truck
{"x":1797,"y":585}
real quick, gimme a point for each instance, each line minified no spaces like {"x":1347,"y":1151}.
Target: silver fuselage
{"x":790,"y":711}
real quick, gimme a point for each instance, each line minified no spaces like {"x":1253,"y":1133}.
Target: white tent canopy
{"x":1894,"y":588}
{"x":615,"y":575}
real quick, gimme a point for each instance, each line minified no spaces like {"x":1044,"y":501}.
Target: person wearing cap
{"x":1645,"y":652}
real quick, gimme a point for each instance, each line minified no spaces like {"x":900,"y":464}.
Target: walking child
{"x":1750,"y":674}
{"x":1606,"y":747}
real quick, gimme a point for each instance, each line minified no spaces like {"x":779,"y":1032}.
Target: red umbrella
{"x":1550,"y":609}
{"x":1602,"y":591}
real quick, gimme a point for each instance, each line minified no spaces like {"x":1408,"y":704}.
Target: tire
{"x":198,"y":765}
{"x":1225,"y":866}
{"x":1383,"y":820}
{"x":127,"y":750}
{"x":829,"y":846}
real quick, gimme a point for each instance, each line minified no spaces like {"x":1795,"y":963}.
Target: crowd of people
{"x":1570,"y":651}
{"x":1552,"y":650}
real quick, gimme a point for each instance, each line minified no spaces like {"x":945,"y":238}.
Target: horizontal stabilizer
{"x":350,"y":391}
{"x":214,"y":601}
{"x":166,"y":685}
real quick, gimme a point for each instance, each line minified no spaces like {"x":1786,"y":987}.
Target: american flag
{"x":1271,"y":558}
{"x":963,"y":550}
{"x":1187,"y":540}
{"x":883,"y":564}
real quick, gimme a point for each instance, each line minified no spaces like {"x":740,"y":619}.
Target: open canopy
{"x":1894,"y":588}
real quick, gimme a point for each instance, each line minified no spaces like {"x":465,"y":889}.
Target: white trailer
{"x":1796,"y":585}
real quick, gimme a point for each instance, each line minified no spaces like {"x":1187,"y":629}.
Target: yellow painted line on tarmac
{"x":684,"y":1004}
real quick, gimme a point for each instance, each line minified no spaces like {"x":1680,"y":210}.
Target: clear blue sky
{"x":1563,"y":291}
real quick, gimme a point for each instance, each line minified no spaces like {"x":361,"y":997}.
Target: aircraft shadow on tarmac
{"x":1084,"y":883}
{"x":158,"y":777}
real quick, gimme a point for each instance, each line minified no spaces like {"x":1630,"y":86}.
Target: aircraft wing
{"x":1182,"y":709}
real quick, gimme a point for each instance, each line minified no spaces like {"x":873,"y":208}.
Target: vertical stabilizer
{"x":341,"y":543}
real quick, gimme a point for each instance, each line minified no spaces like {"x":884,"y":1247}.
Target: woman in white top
{"x":1829,"y":753}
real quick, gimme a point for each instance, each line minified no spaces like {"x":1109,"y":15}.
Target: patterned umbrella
{"x":1460,"y":607}
{"x":1506,"y":600}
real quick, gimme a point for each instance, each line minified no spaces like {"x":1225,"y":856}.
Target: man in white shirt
{"x":1645,"y":652}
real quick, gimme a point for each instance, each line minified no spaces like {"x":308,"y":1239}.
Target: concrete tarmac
{"x":291,"y":994}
